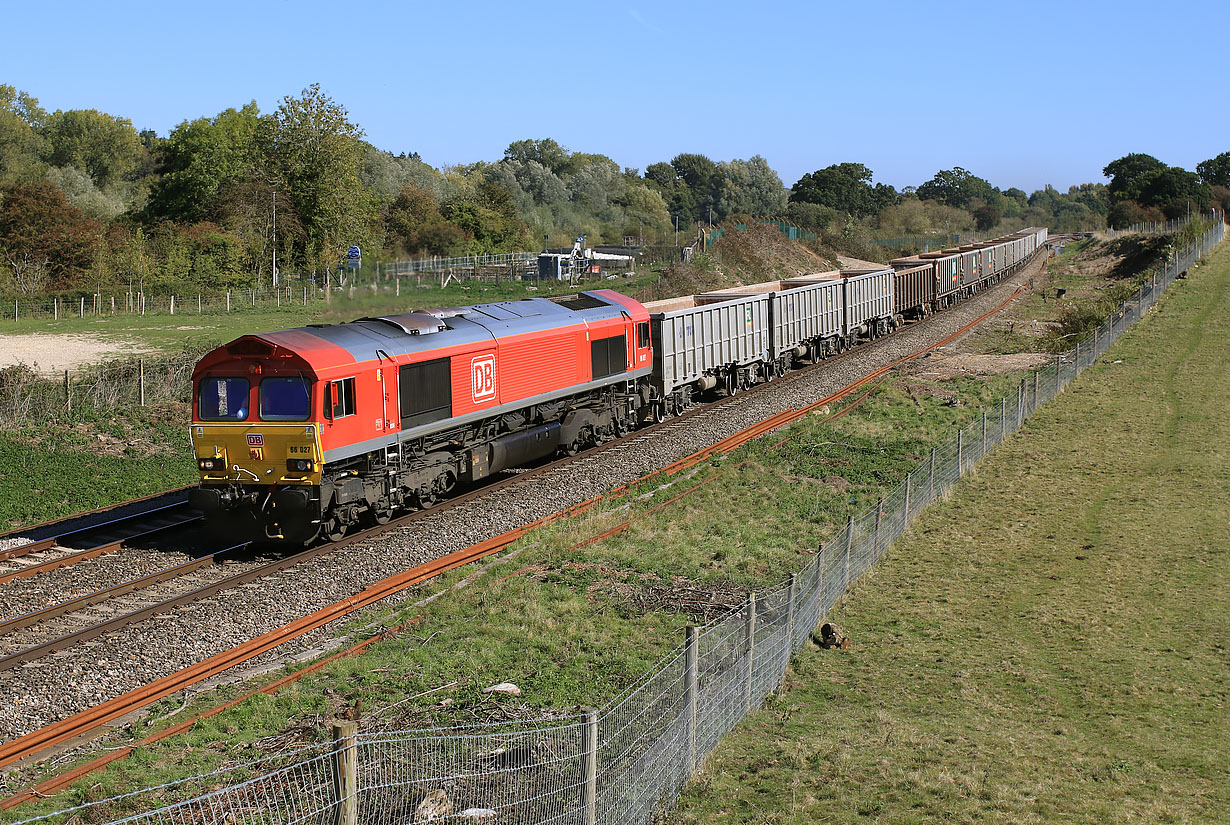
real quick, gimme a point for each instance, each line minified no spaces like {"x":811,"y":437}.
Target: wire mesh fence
{"x":625,"y":762}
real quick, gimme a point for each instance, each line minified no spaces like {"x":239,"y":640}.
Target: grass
{"x":162,"y":332}
{"x":89,"y":461}
{"x":577,"y":625}
{"x":1047,"y":645}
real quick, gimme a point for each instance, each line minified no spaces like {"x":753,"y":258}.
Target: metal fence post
{"x":1003,"y":418}
{"x":589,"y":752}
{"x":1058,"y":367}
{"x":1078,"y":359}
{"x":931,"y":477}
{"x":345,"y":774}
{"x":68,"y":394}
{"x":845,"y":575}
{"x":749,"y":647}
{"x":790,"y":611}
{"x":1034,"y":408}
{"x":879,"y":510}
{"x":1020,"y":404}
{"x":689,"y":690}
{"x":820,"y":581}
{"x":905,"y":509}
{"x":982,"y":451}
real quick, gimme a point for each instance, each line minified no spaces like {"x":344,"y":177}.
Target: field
{"x":1050,"y":643}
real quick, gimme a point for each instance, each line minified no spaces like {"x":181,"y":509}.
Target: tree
{"x":1215,"y":171}
{"x":546,"y":152}
{"x":313,"y":153}
{"x":415,"y":222}
{"x":699,"y":175}
{"x":986,"y":216}
{"x":21,"y":146}
{"x":1172,"y":190}
{"x":845,"y":187}
{"x":750,"y":187}
{"x":1126,"y":175}
{"x":957,"y":187}
{"x":200,"y":158}
{"x":37,"y":223}
{"x":104,"y":147}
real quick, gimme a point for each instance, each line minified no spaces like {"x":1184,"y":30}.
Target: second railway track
{"x":233,"y":617}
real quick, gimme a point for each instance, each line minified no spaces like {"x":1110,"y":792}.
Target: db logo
{"x":256,"y":440}
{"x":482,"y":377}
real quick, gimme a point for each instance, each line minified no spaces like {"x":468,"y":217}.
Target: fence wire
{"x":626,"y":762}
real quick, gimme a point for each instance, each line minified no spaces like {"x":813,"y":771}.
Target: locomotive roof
{"x":431,"y":329}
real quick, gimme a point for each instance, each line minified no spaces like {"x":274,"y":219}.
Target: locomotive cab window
{"x":285,"y":399}
{"x":642,"y":335}
{"x":223,"y":399}
{"x":339,"y":403}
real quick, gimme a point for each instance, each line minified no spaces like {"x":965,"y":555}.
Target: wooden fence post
{"x":345,"y":774}
{"x":879,"y":511}
{"x":689,"y":691}
{"x":141,"y":378}
{"x":589,"y":752}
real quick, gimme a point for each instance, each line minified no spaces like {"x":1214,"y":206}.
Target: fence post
{"x":1020,"y":405}
{"x":345,"y":774}
{"x":879,"y":510}
{"x":982,"y":450}
{"x":845,"y":574}
{"x":931,"y":477}
{"x":689,"y":690}
{"x":228,"y":300}
{"x":82,"y":306}
{"x":68,"y":394}
{"x":589,"y":751}
{"x":198,"y":303}
{"x":905,"y":521}
{"x":1034,"y":407}
{"x":820,"y":582}
{"x":55,"y":309}
{"x":794,"y":594}
{"x":960,"y":456}
{"x":112,"y":304}
{"x":1003,"y":418}
{"x":172,"y":304}
{"x":1058,"y":368}
{"x":141,"y":378}
{"x":749,"y":647}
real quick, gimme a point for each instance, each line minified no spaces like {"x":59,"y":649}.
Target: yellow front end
{"x":261,"y":453}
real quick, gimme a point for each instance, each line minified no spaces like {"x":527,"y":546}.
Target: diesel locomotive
{"x":309,"y":432}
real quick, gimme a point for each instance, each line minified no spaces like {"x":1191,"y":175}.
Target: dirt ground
{"x":54,"y":353}
{"x":940,"y":366}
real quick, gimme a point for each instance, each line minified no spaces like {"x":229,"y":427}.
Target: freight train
{"x":309,"y":432}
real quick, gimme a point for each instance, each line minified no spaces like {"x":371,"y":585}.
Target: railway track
{"x":87,"y":721}
{"x":63,"y":544}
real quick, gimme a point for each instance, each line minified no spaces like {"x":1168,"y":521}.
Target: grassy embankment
{"x":1050,"y":643}
{"x":577,"y":625}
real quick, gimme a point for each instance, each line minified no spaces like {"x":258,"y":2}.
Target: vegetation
{"x":1046,"y":645}
{"x":573,"y":625}
{"x":87,"y":201}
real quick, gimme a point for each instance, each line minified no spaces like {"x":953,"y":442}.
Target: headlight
{"x":211,"y":464}
{"x":299,"y":465}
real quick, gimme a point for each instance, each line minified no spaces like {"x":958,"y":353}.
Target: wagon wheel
{"x":658,"y":410}
{"x":334,"y":529}
{"x":732,"y":384}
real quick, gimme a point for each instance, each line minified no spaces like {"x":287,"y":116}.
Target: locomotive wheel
{"x":334,"y":529}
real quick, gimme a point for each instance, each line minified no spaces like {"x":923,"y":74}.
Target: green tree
{"x":199,"y":158}
{"x":1127,"y":173}
{"x":957,"y":187}
{"x":845,"y":187}
{"x":546,"y":152}
{"x":416,"y":224}
{"x":1215,"y":171}
{"x":104,"y":147}
{"x":313,"y":153}
{"x":21,"y":146}
{"x":750,"y":187}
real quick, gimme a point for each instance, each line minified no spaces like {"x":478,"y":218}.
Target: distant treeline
{"x":87,"y":201}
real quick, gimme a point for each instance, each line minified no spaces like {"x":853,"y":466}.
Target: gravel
{"x":73,"y":680}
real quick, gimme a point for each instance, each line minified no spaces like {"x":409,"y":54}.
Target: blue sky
{"x":1023,"y":94}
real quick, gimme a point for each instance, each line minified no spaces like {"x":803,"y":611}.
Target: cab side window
{"x":642,"y":335}
{"x":341,"y":395}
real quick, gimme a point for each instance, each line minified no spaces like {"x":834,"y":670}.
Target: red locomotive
{"x":312,"y":430}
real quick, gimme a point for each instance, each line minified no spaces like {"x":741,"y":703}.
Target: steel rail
{"x":93,"y":552}
{"x":85,"y":721}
